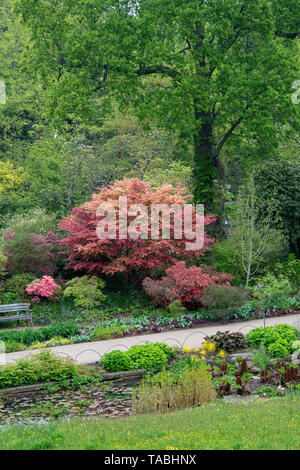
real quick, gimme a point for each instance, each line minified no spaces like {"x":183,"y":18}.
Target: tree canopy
{"x":217,"y":72}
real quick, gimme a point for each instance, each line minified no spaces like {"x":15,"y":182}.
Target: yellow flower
{"x":185,"y":349}
{"x":209,"y":346}
{"x":194,"y":358}
{"x":222,"y":353}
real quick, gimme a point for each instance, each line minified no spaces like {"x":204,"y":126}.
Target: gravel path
{"x":87,"y":353}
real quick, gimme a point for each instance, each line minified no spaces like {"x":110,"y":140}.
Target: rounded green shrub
{"x":149,"y":356}
{"x":277,"y":340}
{"x":117,"y":361}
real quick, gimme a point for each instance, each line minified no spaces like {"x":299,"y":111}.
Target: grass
{"x":268,"y":424}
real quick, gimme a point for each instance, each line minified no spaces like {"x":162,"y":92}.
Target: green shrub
{"x":219,"y":297}
{"x":261,"y":358}
{"x":289,"y":269}
{"x":42,"y":367}
{"x":86,"y":291}
{"x":278,"y":340}
{"x":17,"y":285}
{"x":117,"y":361}
{"x":149,"y":356}
{"x":279,"y":349}
{"x":12,"y":346}
{"x":176,"y":308}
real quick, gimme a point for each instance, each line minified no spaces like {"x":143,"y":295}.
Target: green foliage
{"x":30,"y":335}
{"x":277,"y":340}
{"x":150,"y":356}
{"x":3,"y":260}
{"x":177,"y":172}
{"x":17,"y":285}
{"x":194,"y":388}
{"x":261,"y":358}
{"x":289,"y":269}
{"x":279,"y":348}
{"x":12,"y":346}
{"x":283,"y":179}
{"x":163,"y":83}
{"x":267,"y":391}
{"x":86,"y":291}
{"x":225,"y":256}
{"x":42,"y":367}
{"x":106,"y":332}
{"x":271,"y":292}
{"x":176,"y":308}
{"x":224,"y":426}
{"x":56,"y":341}
{"x":219,"y":297}
{"x":296,"y":346}
{"x":35,"y":220}
{"x":117,"y":361}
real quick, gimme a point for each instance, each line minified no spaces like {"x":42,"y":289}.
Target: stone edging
{"x":105,"y":377}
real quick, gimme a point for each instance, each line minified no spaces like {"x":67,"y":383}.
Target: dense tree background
{"x":198,"y":92}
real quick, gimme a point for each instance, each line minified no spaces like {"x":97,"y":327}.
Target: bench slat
{"x":23,"y":304}
{"x":16,"y":317}
{"x":15,"y":308}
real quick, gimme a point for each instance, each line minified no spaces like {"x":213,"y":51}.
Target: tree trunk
{"x":203,"y":171}
{"x":208,"y":172}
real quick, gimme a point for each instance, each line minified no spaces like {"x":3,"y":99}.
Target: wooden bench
{"x":17,"y":312}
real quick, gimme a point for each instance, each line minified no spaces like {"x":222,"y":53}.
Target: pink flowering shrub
{"x":184,"y":284}
{"x":45,"y":288}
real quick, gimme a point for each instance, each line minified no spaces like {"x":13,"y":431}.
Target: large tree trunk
{"x":208,"y":171}
{"x":203,"y":171}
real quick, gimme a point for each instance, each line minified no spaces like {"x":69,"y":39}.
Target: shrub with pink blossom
{"x":45,"y":288}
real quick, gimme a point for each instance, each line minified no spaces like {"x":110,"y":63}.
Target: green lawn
{"x":268,"y":424}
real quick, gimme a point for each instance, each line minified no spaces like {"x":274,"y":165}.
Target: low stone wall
{"x":107,"y":376}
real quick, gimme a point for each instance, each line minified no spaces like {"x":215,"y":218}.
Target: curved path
{"x":87,"y":353}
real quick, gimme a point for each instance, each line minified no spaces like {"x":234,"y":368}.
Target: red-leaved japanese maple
{"x":184,"y":284}
{"x":97,"y":256}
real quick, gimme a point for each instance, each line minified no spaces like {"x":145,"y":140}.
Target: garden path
{"x":87,"y":353}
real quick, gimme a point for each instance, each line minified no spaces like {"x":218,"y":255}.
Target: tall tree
{"x":214,"y":70}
